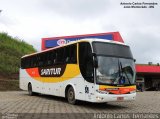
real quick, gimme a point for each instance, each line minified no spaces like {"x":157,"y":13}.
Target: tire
{"x":71,"y":96}
{"x":30,"y":92}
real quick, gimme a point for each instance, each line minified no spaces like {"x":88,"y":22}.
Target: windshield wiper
{"x":119,"y":72}
{"x":120,"y":65}
{"x":119,"y":69}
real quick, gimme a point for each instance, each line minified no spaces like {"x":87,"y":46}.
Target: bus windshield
{"x":115,"y":64}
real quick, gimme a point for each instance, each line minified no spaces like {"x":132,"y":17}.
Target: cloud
{"x":77,"y":10}
{"x":144,"y":45}
{"x":34,"y":19}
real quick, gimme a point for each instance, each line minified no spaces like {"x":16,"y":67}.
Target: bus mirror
{"x":134,"y":60}
{"x":95,"y":63}
{"x":94,"y":54}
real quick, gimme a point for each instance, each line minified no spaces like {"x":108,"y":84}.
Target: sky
{"x":31,"y":20}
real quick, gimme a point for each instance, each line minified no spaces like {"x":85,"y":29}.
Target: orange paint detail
{"x":33,"y":72}
{"x":118,"y":90}
{"x":122,"y":90}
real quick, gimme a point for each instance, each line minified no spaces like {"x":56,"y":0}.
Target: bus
{"x":91,"y":69}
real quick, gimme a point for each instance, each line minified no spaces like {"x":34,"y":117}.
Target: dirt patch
{"x":9,"y":85}
{"x":13,"y":76}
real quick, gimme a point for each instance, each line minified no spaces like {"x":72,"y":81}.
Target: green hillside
{"x":11,"y":50}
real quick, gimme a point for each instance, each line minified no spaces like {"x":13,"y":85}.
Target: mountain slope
{"x":11,"y":50}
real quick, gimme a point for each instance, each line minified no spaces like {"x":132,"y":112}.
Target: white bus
{"x":93,"y":70}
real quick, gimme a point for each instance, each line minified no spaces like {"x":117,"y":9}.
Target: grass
{"x":11,"y":50}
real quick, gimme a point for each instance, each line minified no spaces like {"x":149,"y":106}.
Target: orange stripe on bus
{"x":33,"y":72}
{"x":71,"y":71}
{"x":117,"y":90}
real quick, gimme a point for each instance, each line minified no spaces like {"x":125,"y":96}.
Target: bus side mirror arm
{"x":95,"y":60}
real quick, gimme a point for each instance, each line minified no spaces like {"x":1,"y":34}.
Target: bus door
{"x":89,"y":81}
{"x":86,"y":68}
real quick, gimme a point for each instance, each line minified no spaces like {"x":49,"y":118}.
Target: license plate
{"x":120,"y":98}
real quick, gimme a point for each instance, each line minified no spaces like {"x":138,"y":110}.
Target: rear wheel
{"x":71,"y":96}
{"x":30,"y":89}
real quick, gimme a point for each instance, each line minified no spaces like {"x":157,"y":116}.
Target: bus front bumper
{"x":100,"y":98}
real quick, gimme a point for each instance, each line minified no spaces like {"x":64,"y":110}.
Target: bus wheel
{"x":30,"y":89}
{"x":71,"y":96}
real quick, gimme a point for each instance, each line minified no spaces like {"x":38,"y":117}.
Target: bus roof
{"x":73,"y":42}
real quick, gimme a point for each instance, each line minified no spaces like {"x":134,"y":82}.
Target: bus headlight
{"x":99,"y":98}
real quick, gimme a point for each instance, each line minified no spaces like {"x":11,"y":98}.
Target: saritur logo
{"x":61,"y":42}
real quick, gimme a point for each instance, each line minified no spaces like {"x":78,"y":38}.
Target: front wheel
{"x":71,"y":96}
{"x":30,"y":89}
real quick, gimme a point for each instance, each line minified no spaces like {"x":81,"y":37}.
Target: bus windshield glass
{"x":115,"y":64}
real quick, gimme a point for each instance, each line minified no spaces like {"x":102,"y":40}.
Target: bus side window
{"x":45,"y":59}
{"x":23,"y":63}
{"x":56,"y":57}
{"x":41,"y":60}
{"x":38,"y":60}
{"x":53,"y":57}
{"x":33,"y":61}
{"x":67,"y":54}
{"x":70,"y":55}
{"x":28,"y":62}
{"x":49,"y":58}
{"x":86,"y":61}
{"x":59,"y":56}
{"x":73,"y":56}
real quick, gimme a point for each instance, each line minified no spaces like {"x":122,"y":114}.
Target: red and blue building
{"x":55,"y":41}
